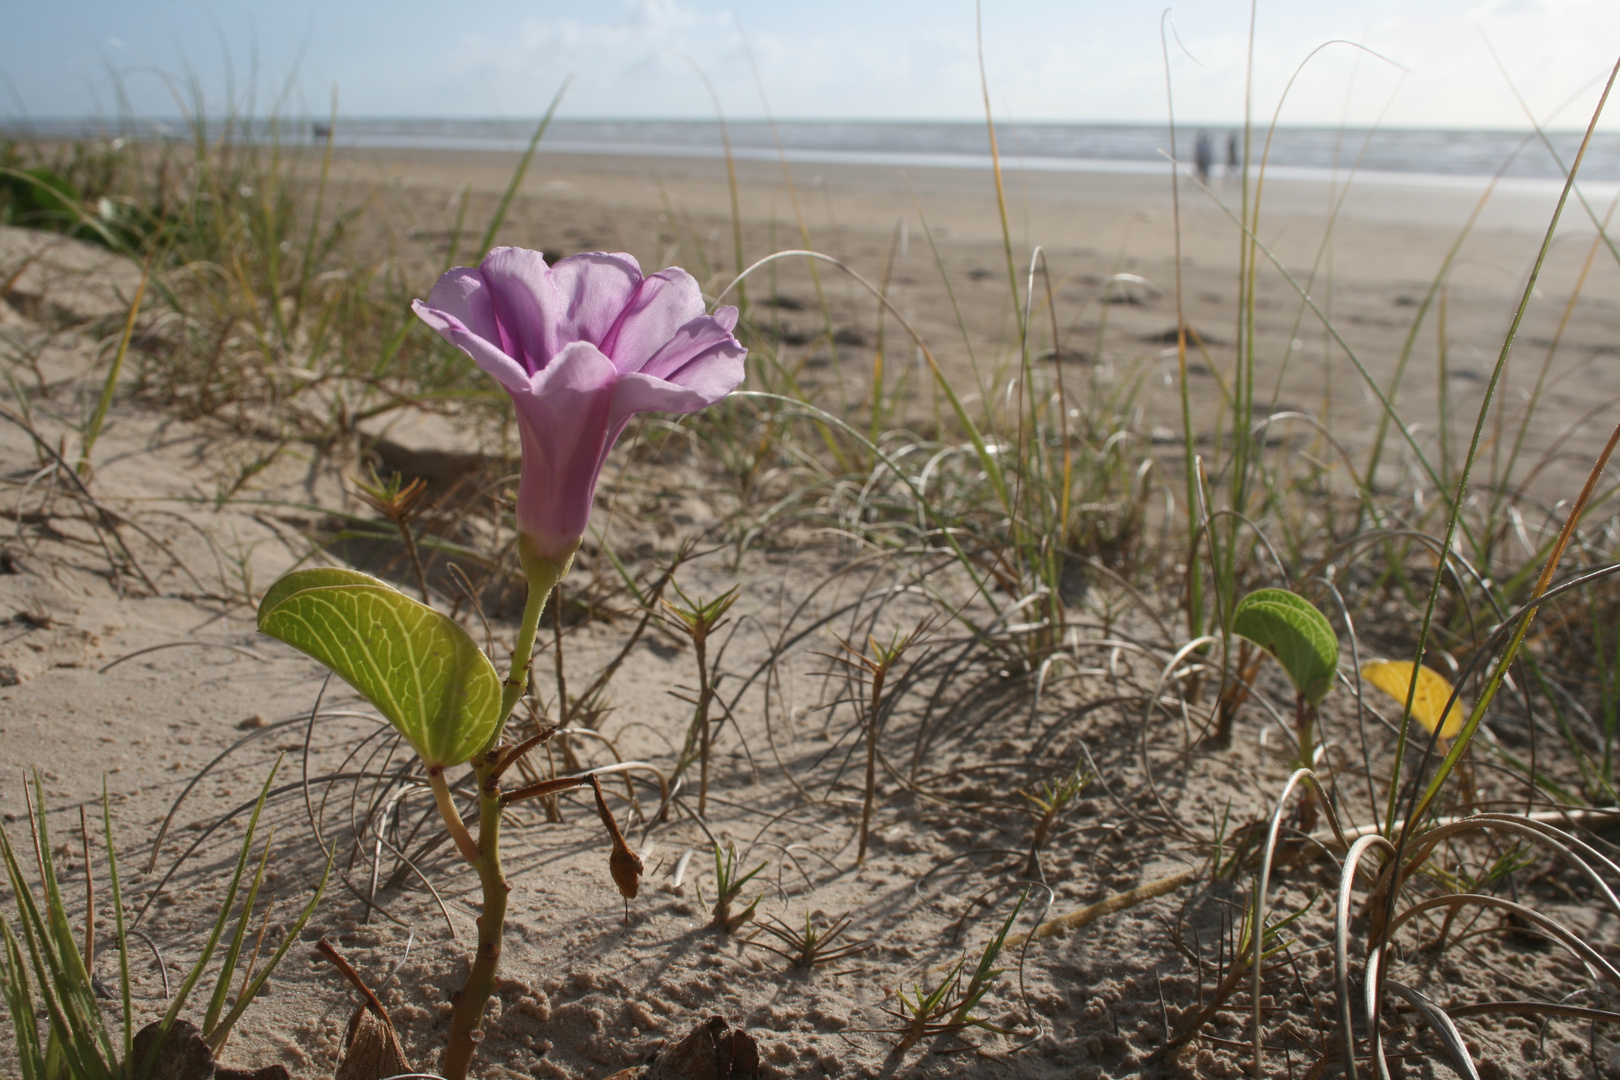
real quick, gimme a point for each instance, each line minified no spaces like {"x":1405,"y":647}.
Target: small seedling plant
{"x":875,"y":665}
{"x":400,"y":503}
{"x":1291,"y":629}
{"x":1046,"y":804}
{"x":947,"y":1008}
{"x":728,"y":886}
{"x":813,"y":946}
{"x":699,"y":620}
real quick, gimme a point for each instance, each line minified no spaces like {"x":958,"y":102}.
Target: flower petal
{"x":523,"y":299}
{"x":701,"y":354}
{"x":592,"y":290}
{"x":664,"y":303}
{"x":564,"y":418}
{"x":487,"y":355}
{"x":637,"y":393}
{"x":461,"y":294}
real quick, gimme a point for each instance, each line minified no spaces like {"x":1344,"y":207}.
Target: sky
{"x":1412,"y":63}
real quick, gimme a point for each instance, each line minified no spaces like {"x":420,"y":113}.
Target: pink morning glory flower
{"x":582,"y":347}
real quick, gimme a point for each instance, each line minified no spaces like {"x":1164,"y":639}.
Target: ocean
{"x":1397,"y":154}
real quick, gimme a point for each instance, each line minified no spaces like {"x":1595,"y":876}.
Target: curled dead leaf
{"x":371,"y":1049}
{"x":185,"y":1056}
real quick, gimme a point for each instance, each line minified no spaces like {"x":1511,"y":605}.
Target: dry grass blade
{"x":1443,"y":1027}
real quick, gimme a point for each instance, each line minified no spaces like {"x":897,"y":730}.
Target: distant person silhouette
{"x":1231,"y":155}
{"x":1203,"y":156}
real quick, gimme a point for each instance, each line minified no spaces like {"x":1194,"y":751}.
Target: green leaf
{"x":315,"y":577}
{"x":418,"y":667}
{"x":1290,"y":628}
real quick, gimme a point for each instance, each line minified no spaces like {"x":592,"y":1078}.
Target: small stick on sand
{"x":1118,"y":902}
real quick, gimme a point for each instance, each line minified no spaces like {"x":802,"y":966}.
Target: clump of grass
{"x":44,"y":971}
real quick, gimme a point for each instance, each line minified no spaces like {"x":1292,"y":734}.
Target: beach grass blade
{"x":216,"y":1037}
{"x":416,"y":665}
{"x":92,"y":429}
{"x":76,"y":1041}
{"x":189,"y":983}
{"x":985,"y":974}
{"x":119,"y":928}
{"x":227,"y":968}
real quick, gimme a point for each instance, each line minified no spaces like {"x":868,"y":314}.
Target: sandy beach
{"x":1366,"y":254}
{"x":146,"y":673}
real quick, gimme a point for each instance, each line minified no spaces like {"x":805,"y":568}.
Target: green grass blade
{"x":20,"y":1003}
{"x":81,"y":1013}
{"x":227,"y":968}
{"x":1472,"y":725}
{"x":310,"y":258}
{"x":217,"y":1037}
{"x":118,"y":923}
{"x":92,"y":430}
{"x":197,"y":969}
{"x":979,"y":984}
{"x":49,"y":972}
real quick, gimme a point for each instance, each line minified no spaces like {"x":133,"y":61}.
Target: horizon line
{"x":321,"y":118}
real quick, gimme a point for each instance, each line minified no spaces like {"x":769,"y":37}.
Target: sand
{"x":585,"y":992}
{"x":1387,"y":242}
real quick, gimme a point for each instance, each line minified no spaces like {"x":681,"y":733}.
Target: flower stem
{"x":468,"y":1003}
{"x":542,"y":574}
{"x":518,"y":680}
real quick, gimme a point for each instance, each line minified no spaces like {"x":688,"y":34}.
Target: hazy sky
{"x":1046,"y":59}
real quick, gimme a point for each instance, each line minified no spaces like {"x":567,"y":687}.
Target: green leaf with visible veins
{"x":418,"y":667}
{"x":315,"y":577}
{"x":1290,"y":628}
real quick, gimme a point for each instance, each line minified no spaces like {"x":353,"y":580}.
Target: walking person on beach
{"x":1203,"y":156}
{"x":1231,"y":155}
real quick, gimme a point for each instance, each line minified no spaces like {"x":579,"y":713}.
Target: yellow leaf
{"x":1393,"y":677}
